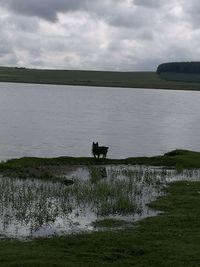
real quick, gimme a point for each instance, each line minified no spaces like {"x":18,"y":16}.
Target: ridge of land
{"x":136,"y":79}
{"x":26,"y":167}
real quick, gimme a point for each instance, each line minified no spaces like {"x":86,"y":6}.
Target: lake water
{"x":50,"y":120}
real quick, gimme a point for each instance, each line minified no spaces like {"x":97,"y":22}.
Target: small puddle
{"x":35,"y":208}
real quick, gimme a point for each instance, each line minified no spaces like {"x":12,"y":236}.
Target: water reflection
{"x":31,"y":207}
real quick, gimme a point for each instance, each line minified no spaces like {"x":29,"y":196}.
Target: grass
{"x":93,"y":78}
{"x":33,"y":205}
{"x":109,"y":196}
{"x":110,"y":223}
{"x":170,"y":239}
{"x":42,"y":167}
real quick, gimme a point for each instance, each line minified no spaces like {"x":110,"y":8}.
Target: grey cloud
{"x":37,"y":62}
{"x":149,"y":3}
{"x":192,"y":11}
{"x":146,"y":34}
{"x":115,"y":12}
{"x":5,"y":49}
{"x":46,"y":9}
{"x":126,"y":18}
{"x":106,"y":34}
{"x":122,"y":14}
{"x":9,"y":59}
{"x":21,"y":23}
{"x":180,"y":53}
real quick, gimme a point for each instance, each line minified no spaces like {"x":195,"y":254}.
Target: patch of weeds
{"x":117,"y":205}
{"x":179,"y":168}
{"x":97,"y":173}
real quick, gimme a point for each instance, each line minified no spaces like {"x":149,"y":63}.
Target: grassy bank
{"x":92,"y":78}
{"x":42,"y":167}
{"x":170,"y":239}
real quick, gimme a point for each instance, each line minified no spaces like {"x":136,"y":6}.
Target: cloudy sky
{"x":98,"y":34}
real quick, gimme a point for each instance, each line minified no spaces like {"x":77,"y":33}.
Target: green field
{"x":92,"y":78}
{"x":170,"y":239}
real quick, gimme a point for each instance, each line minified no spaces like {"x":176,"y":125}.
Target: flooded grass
{"x":103,"y":194}
{"x":170,"y":239}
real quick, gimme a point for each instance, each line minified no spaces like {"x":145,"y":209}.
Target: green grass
{"x":92,"y":78}
{"x":170,"y":239}
{"x":41,"y":167}
{"x":110,"y":223}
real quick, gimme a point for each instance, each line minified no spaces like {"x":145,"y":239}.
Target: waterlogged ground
{"x":34,"y":208}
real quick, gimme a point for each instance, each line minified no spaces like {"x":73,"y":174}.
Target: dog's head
{"x":94,"y":145}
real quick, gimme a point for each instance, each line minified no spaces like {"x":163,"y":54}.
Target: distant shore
{"x":139,"y":79}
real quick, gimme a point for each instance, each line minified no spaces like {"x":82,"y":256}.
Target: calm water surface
{"x":50,"y":120}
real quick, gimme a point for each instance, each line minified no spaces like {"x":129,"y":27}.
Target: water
{"x":50,"y":120}
{"x":35,"y":208}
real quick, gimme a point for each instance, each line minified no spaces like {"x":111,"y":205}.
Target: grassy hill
{"x":92,"y":78}
{"x":183,"y":77}
{"x":180,"y":71}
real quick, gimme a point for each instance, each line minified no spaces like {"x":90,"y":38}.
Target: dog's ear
{"x":97,"y":144}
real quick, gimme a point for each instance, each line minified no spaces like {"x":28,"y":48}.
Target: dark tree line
{"x":179,"y":67}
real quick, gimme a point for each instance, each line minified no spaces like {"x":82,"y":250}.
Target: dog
{"x":97,"y":150}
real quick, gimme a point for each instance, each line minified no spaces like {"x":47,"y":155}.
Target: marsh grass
{"x":35,"y":206}
{"x":30,"y":204}
{"x":170,"y":239}
{"x":179,"y":168}
{"x":104,"y":198}
{"x":97,"y":173}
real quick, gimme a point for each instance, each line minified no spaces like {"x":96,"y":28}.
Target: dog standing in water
{"x":97,"y":150}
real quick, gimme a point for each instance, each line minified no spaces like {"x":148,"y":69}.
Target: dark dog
{"x":97,"y":150}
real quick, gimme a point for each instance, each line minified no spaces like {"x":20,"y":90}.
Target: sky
{"x":122,"y":35}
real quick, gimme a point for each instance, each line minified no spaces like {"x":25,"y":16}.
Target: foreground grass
{"x":170,"y":239}
{"x":93,"y":78}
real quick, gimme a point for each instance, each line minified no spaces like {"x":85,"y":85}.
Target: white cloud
{"x":106,"y":34}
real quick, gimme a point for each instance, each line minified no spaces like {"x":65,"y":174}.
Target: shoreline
{"x":136,"y":79}
{"x":25,"y":167}
{"x":177,"y":88}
